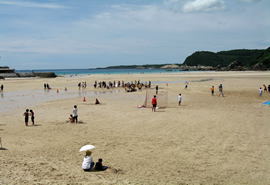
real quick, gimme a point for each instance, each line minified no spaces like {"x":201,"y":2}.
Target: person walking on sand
{"x":212,"y":90}
{"x":186,"y":85}
{"x":179,"y":99}
{"x":154,"y":103}
{"x":75,"y":114}
{"x":260,"y":91}
{"x":26,"y":114}
{"x":156,"y":89}
{"x":2,"y":88}
{"x":32,"y":114}
{"x":264,"y":87}
{"x":220,"y":90}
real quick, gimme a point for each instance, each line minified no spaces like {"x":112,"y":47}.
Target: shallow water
{"x":19,"y":99}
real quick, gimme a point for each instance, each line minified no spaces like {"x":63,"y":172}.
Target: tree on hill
{"x":205,"y":58}
{"x":222,"y":58}
{"x":263,"y":58}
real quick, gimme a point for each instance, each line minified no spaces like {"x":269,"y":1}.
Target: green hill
{"x":222,"y":58}
{"x":263,"y":58}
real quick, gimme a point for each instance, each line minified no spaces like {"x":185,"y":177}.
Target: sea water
{"x":102,"y":71}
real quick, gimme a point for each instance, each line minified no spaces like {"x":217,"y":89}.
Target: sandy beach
{"x":206,"y":140}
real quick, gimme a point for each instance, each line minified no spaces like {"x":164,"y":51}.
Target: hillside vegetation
{"x":263,"y":58}
{"x":223,"y":58}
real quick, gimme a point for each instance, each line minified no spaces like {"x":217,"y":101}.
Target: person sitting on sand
{"x":99,"y":166}
{"x":97,"y":102}
{"x":71,"y":118}
{"x":88,"y":162}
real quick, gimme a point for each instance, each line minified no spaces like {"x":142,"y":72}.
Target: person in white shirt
{"x":179,"y":99}
{"x":260,"y":91}
{"x":75,"y":114}
{"x":88,"y":162}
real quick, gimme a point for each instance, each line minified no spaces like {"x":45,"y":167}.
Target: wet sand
{"x":206,"y":140}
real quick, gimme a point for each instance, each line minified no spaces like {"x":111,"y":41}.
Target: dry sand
{"x":206,"y":140}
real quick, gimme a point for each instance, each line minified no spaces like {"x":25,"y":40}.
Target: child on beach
{"x":186,"y":84}
{"x":260,"y":91}
{"x":265,"y":89}
{"x":26,"y":114}
{"x":32,"y":117}
{"x":97,"y":102}
{"x":179,"y":99}
{"x":154,"y":103}
{"x":99,"y":166}
{"x":71,"y":118}
{"x":212,"y":90}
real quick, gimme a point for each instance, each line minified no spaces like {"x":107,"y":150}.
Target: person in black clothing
{"x":26,"y":114}
{"x":99,"y":166}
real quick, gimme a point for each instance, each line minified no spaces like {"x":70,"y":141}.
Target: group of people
{"x":128,"y":86}
{"x":220,"y":89}
{"x":26,"y":114}
{"x":88,"y":163}
{"x":264,"y":89}
{"x":82,"y":85}
{"x":73,"y":118}
{"x":47,"y":86}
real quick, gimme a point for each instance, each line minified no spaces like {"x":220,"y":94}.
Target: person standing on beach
{"x":26,"y":114}
{"x":156,"y":89}
{"x":186,"y":85}
{"x":2,"y":88}
{"x":220,"y":90}
{"x":212,"y":90}
{"x":75,"y":114}
{"x":179,"y":99}
{"x":260,"y":91}
{"x":264,"y":87}
{"x":154,"y":103}
{"x":32,"y":117}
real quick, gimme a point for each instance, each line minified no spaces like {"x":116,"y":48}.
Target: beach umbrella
{"x":87,"y":147}
{"x":266,"y":103}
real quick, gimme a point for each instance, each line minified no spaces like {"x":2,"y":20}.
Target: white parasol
{"x":87,"y":147}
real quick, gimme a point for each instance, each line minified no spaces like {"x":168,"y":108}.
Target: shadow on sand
{"x":37,"y":125}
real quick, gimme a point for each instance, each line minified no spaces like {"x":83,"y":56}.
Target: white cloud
{"x":203,"y":6}
{"x":34,"y":5}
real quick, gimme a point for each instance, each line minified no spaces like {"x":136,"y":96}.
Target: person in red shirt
{"x":154,"y":103}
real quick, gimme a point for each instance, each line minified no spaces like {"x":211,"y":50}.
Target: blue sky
{"x":67,"y":34}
